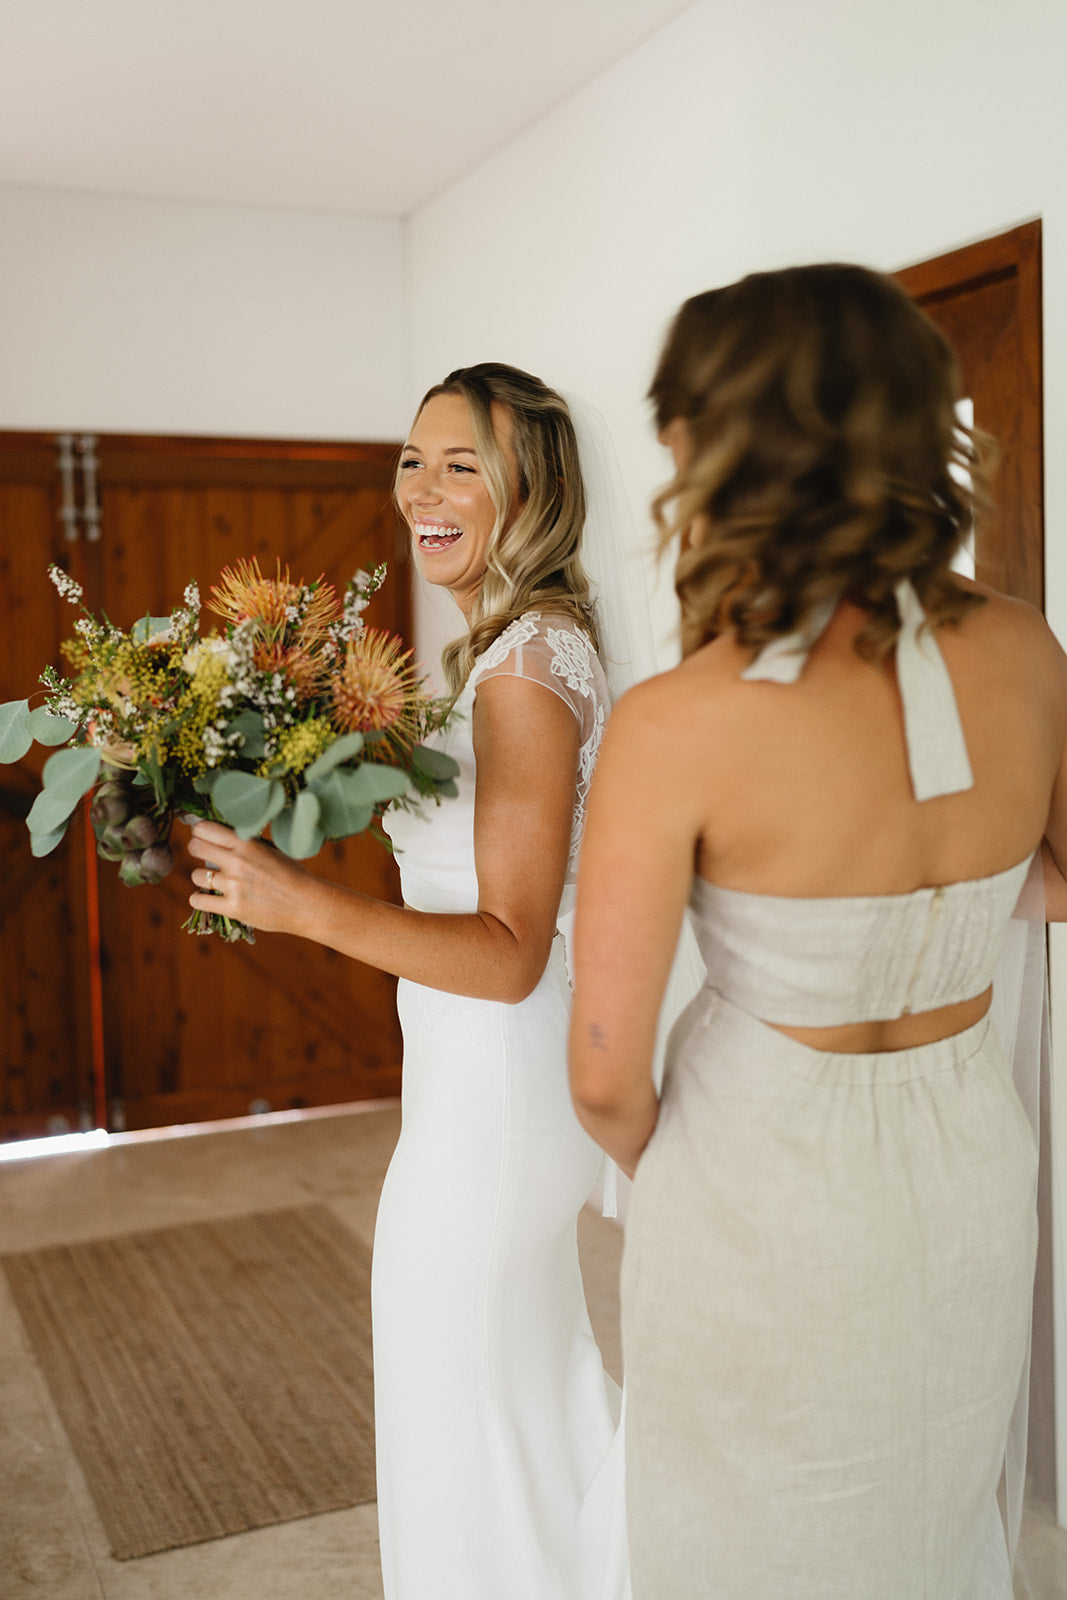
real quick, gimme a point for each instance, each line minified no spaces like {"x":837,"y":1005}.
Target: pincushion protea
{"x":376,"y":689}
{"x":243,"y":594}
{"x":296,"y":665}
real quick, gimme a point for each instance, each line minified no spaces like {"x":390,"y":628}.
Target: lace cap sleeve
{"x":551,"y":651}
{"x":556,"y":653}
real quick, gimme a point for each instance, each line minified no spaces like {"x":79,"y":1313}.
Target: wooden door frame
{"x":1009,"y":544}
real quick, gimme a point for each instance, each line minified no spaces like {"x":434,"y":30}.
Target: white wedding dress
{"x":500,"y":1471}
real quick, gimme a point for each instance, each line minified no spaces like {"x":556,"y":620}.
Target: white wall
{"x":152,"y":316}
{"x":751,"y":134}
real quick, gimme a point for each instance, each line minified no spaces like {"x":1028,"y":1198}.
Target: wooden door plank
{"x":987,"y":299}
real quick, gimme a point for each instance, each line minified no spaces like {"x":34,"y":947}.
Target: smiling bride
{"x":499,"y":1458}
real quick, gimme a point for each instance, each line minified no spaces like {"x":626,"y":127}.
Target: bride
{"x":499,"y":1460}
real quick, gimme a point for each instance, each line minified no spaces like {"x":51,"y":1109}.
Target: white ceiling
{"x":347,"y":105}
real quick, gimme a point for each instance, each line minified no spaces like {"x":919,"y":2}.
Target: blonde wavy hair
{"x":533,"y":561}
{"x":821,"y":405}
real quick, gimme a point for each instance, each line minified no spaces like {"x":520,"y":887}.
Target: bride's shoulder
{"x":550,"y":634}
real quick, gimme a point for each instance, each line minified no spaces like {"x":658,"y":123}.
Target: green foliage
{"x":434,"y":763}
{"x":50,"y":812}
{"x":296,"y":830}
{"x":349,"y":744}
{"x":44,"y":726}
{"x":71,"y":772}
{"x":42,"y":844}
{"x":246,"y":802}
{"x":343,"y":809}
{"x":148,"y":627}
{"x":15,"y":736}
{"x":249,"y":724}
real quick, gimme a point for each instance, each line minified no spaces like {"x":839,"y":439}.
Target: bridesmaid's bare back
{"x":805,"y":789}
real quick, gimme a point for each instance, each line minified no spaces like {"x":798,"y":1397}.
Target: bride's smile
{"x":433,"y":536}
{"x":445,"y":497}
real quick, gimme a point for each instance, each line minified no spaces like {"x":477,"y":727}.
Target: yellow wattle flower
{"x":297,"y":747}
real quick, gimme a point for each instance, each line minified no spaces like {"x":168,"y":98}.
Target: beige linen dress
{"x":829,"y":1258}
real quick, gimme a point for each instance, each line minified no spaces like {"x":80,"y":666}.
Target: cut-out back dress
{"x":829,"y":1258}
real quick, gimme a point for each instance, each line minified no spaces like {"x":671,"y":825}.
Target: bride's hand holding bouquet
{"x":294,"y":716}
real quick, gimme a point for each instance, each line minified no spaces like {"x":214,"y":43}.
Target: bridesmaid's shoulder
{"x":1016,"y":630}
{"x":694,"y":690}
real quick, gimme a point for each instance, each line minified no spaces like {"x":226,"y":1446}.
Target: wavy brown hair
{"x":534,"y":554}
{"x":820,"y":403}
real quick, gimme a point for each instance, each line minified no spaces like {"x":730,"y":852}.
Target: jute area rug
{"x":213,"y":1377}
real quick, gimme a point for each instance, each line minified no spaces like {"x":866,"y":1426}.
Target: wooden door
{"x":46,"y":1079}
{"x":194,"y":1029}
{"x":987,"y":298}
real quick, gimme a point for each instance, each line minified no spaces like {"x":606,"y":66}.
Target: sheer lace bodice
{"x":435,"y":851}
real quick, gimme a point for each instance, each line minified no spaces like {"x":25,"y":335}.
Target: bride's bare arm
{"x":634,"y":880}
{"x":526,"y":749}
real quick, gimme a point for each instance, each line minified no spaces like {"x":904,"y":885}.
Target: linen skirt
{"x":827,"y":1289}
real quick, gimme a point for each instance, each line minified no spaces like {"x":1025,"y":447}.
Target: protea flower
{"x":296,"y":665}
{"x":376,"y":689}
{"x":243,"y":594}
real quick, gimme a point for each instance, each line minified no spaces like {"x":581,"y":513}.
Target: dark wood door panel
{"x":45,"y":1027}
{"x":987,"y":299}
{"x":192,"y":1029}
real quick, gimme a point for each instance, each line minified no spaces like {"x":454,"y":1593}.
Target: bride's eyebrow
{"x":453,"y":450}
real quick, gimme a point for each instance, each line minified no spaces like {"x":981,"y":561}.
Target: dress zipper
{"x":931,"y":917}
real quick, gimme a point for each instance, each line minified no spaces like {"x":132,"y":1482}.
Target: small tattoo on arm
{"x":597,"y":1037}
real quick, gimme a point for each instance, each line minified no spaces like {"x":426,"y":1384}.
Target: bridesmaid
{"x":829,"y":1259}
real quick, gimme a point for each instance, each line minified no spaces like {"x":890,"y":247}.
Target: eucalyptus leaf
{"x":349,"y":744}
{"x":341,"y":810}
{"x":146,"y":628}
{"x":371,"y":784}
{"x":296,"y":830}
{"x":70,"y":773}
{"x":250,"y":726}
{"x":50,"y":811}
{"x":434,"y":763}
{"x":42,"y":844}
{"x":49,"y":729}
{"x":15,"y":737}
{"x":246,"y":802}
{"x":207,"y":781}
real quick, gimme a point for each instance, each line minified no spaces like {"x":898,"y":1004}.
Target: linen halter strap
{"x":933,"y":734}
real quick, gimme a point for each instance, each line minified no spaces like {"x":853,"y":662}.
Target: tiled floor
{"x":52,"y":1546}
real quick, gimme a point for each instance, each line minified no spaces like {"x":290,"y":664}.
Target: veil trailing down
{"x":614,"y":556}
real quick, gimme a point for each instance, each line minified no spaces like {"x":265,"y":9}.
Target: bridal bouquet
{"x":295,"y":714}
